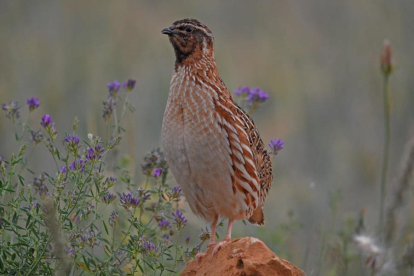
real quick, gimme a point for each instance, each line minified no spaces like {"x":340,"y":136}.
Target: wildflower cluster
{"x":94,"y":152}
{"x":72,"y":143}
{"x":179,"y":218}
{"x":128,"y":201}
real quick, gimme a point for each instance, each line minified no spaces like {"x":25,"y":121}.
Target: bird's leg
{"x":226,"y":239}
{"x":212,"y":240}
{"x":229,"y":228}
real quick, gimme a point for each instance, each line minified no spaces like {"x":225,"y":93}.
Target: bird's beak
{"x":169,"y":31}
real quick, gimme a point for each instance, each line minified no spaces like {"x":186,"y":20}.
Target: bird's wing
{"x":261,"y":156}
{"x":251,"y":163}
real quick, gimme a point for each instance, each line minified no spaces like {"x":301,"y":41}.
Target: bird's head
{"x":190,"y":39}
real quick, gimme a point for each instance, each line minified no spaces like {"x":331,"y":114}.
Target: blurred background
{"x":319,"y":61}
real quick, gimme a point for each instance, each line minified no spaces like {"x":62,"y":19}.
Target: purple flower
{"x":276,"y":146}
{"x":113,"y":88}
{"x":175,"y":194}
{"x":33,"y":103}
{"x":167,"y":238}
{"x":46,"y":121}
{"x":72,"y":142}
{"x":78,"y":165}
{"x":251,"y":97}
{"x":257,"y":96}
{"x":63,"y":169}
{"x":149,"y":247}
{"x":157,"y":172}
{"x":37,"y":137}
{"x":113,"y":218}
{"x":187,"y":240}
{"x":88,"y":209}
{"x":12,"y":110}
{"x":128,"y":201}
{"x":70,"y":251}
{"x":129,"y":85}
{"x":40,"y":186}
{"x":242,"y":91}
{"x":88,"y":238}
{"x":84,"y":238}
{"x":180,"y":220}
{"x":144,"y":195}
{"x":94,"y":153}
{"x":49,"y":125}
{"x":113,"y":143}
{"x":108,"y":108}
{"x":108,"y":198}
{"x":35,"y":205}
{"x":109,"y":182}
{"x":164,"y":225}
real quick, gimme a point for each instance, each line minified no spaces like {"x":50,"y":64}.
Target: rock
{"x":242,"y":257}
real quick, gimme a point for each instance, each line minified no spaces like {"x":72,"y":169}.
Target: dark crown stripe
{"x":192,"y":22}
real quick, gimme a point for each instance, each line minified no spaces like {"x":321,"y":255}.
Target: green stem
{"x":118,"y":122}
{"x":113,"y":239}
{"x":386,"y":149}
{"x":25,"y":126}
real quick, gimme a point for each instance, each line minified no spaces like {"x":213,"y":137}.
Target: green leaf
{"x":28,"y":220}
{"x":86,"y":262}
{"x":21,"y":179}
{"x":20,"y":244}
{"x":106,"y":229}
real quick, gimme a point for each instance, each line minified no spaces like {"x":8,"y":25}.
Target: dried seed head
{"x":386,"y":58}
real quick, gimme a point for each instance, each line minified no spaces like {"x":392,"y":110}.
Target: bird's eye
{"x":188,"y":29}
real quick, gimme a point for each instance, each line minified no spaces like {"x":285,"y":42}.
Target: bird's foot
{"x":219,"y":245}
{"x":199,"y":256}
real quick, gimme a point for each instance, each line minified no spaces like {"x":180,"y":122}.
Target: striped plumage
{"x":212,"y":146}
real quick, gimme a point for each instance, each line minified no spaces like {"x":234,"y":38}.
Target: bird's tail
{"x":258,"y":216}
